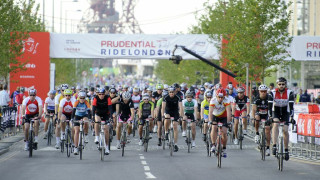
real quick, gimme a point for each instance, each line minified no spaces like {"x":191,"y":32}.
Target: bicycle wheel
{"x":171,"y":141}
{"x":110,"y":137}
{"x":80,"y":145}
{"x":101,"y":148}
{"x":49,"y":134}
{"x":146,"y":138}
{"x":208,"y":148}
{"x":30,"y":143}
{"x":163,"y":138}
{"x":123,"y":142}
{"x":240,"y":136}
{"x":68,"y":147}
{"x":219,"y":152}
{"x":263,"y":145}
{"x":280,"y":155}
{"x":62,"y":145}
{"x":134,"y":127}
{"x":189,"y":139}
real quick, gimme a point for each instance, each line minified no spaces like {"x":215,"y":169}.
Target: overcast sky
{"x":154,"y":16}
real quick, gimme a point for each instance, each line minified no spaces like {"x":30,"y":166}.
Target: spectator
{"x":305,"y":97}
{"x":4,"y":96}
{"x":298,"y":95}
{"x":312,"y":97}
{"x":318,"y":98}
{"x":271,"y":86}
{"x":14,"y":94}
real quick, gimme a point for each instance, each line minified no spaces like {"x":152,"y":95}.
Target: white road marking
{"x":144,"y":162}
{"x":146,"y":168}
{"x":141,"y":157}
{"x":149,"y":175}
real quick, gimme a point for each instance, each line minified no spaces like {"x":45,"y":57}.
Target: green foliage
{"x":189,"y":71}
{"x":17,"y":19}
{"x":255,"y":31}
{"x":66,"y":72}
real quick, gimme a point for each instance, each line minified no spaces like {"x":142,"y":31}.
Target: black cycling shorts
{"x":68,"y":116}
{"x":190,"y":116}
{"x":222,"y":120}
{"x":174,"y":114}
{"x":28,"y":117}
{"x":263,"y":116}
{"x":283,"y":117}
{"x":104,"y":117}
{"x":77,"y":118}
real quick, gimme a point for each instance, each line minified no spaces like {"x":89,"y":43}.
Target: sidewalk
{"x":5,"y":143}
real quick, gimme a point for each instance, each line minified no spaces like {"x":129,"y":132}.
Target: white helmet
{"x":263,"y":87}
{"x":82,"y":94}
{"x":126,"y":95}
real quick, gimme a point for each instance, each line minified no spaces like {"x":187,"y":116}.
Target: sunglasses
{"x":101,"y":94}
{"x":209,"y":97}
{"x":220,"y":97}
{"x":32,"y":95}
{"x":171,"y":92}
{"x":146,"y":99}
{"x":281,"y":84}
{"x":68,"y":95}
{"x":112,"y":93}
{"x":82,"y":98}
{"x":263,"y":91}
{"x":189,"y":97}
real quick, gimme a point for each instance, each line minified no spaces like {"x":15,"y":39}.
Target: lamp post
{"x":61,"y":11}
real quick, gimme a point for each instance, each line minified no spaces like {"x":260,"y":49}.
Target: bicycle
{"x":231,"y":133}
{"x":101,"y":144}
{"x":50,"y":129}
{"x":123,"y":138}
{"x":68,"y":139}
{"x":219,"y":144}
{"x":262,"y":143}
{"x":32,"y":145}
{"x":240,"y":132}
{"x":171,"y":137}
{"x":188,"y":137}
{"x":280,"y":146}
{"x":134,"y":123}
{"x":145,"y":136}
{"x":208,"y":140}
{"x":81,"y":139}
{"x":110,"y":134}
{"x":163,"y":136}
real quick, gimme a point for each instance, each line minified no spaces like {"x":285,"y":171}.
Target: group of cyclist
{"x":115,"y":105}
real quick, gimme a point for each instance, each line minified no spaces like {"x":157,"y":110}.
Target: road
{"x":50,"y":164}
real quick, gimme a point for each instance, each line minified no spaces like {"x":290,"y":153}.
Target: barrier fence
{"x":10,"y":121}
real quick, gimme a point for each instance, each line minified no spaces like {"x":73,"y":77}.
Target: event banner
{"x":36,"y":75}
{"x":133,"y":46}
{"x":305,"y":48}
{"x":308,"y":125}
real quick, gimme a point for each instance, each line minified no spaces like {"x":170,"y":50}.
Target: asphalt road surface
{"x":49,"y":163}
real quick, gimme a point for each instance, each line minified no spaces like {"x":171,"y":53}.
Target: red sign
{"x":308,"y":125}
{"x":37,"y":75}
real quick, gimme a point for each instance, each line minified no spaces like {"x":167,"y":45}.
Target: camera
{"x":176,"y":59}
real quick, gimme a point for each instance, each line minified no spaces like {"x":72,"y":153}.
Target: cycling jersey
{"x":50,"y":104}
{"x":241,"y":104}
{"x":136,"y":100}
{"x":67,"y":106}
{"x":81,"y":109}
{"x":146,"y":109}
{"x":189,"y":106}
{"x":281,"y":103}
{"x":159,"y":105}
{"x":219,"y":109}
{"x":156,"y":96}
{"x":180,"y":94}
{"x":114,"y":105}
{"x":125,"y":109}
{"x":205,"y":105}
{"x":32,"y":107}
{"x":262,"y":105}
{"x":101,"y":106}
{"x":200,"y":96}
{"x":172,"y":104}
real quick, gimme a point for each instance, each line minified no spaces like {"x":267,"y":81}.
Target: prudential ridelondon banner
{"x":129,"y":46}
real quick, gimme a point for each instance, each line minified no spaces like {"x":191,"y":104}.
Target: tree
{"x":16,"y":21}
{"x":189,"y":71}
{"x":254,"y":32}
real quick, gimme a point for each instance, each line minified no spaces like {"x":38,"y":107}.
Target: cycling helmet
{"x":164,"y":93}
{"x":282,"y":79}
{"x":145,"y":96}
{"x":68,"y":92}
{"x":126,"y":95}
{"x":218,"y":86}
{"x":78,"y":87}
{"x":159,"y":86}
{"x":176,"y":85}
{"x":189,"y":93}
{"x":165,"y":86}
{"x":32,"y":92}
{"x":82,"y":94}
{"x":229,"y":86}
{"x":240,"y":89}
{"x":101,"y":90}
{"x":106,"y":88}
{"x":221,"y":92}
{"x":210,"y":86}
{"x":125,"y":87}
{"x":113,"y":90}
{"x":263,"y":87}
{"x":22,"y":89}
{"x":119,"y":87}
{"x":171,"y":88}
{"x":73,"y":88}
{"x":136,"y":89}
{"x":97,"y":86}
{"x":202,"y":88}
{"x":208,"y":94}
{"x":64,"y":87}
{"x":52,"y":92}
{"x":206,"y":84}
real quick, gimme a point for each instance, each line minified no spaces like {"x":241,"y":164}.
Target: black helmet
{"x":176,"y":85}
{"x":282,"y":79}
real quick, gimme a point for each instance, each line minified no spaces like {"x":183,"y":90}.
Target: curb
{"x":3,"y":151}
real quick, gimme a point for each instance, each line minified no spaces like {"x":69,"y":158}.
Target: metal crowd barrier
{"x":8,"y":122}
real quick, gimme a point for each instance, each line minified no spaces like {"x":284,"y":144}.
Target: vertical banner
{"x":36,"y":54}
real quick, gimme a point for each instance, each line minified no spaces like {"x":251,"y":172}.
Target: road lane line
{"x":141,"y":157}
{"x":8,"y":156}
{"x":146,"y":168}
{"x":149,"y":175}
{"x":144,"y":162}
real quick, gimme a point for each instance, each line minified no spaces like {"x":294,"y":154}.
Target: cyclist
{"x":200,"y":98}
{"x":57,"y":100}
{"x":65,"y":110}
{"x":146,"y":110}
{"x":115,"y":107}
{"x":156,"y":95}
{"x":171,"y":105}
{"x":280,"y":106}
{"x":240,"y":107}
{"x":81,"y":110}
{"x":159,"y":117}
{"x":31,"y":109}
{"x":178,"y":90}
{"x":101,"y":111}
{"x":126,"y":111}
{"x":230,"y":91}
{"x":205,"y":112}
{"x":260,"y":111}
{"x":219,"y":111}
{"x":49,"y":106}
{"x":190,"y":107}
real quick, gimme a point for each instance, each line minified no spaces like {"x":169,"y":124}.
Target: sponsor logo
{"x":30,"y":46}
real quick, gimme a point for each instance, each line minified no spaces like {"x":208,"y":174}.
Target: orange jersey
{"x":219,"y":109}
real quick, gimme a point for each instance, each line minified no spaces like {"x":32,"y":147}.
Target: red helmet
{"x":221,"y":92}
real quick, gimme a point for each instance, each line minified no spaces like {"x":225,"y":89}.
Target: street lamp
{"x":61,"y":11}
